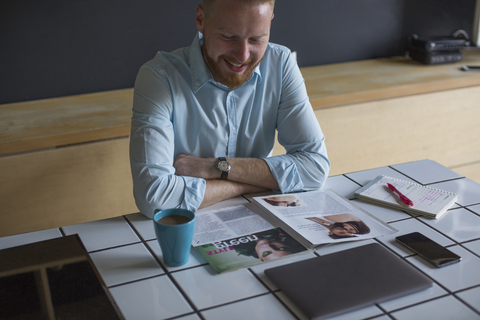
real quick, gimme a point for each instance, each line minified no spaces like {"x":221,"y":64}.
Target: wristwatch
{"x":224,"y":166}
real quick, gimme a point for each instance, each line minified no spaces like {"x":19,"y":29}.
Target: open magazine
{"x":277,"y":226}
{"x":236,"y":237}
{"x":320,"y":217}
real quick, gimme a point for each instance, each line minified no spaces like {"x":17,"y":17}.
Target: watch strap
{"x":224,"y":175}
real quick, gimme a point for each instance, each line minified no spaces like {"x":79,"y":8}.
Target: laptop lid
{"x":347,"y":280}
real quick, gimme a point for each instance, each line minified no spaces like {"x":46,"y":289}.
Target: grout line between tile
{"x":184,"y":294}
{"x":385,"y":312}
{"x":408,"y":217}
{"x":115,"y":247}
{"x":137,"y":233}
{"x":418,"y":269}
{"x":426,"y":184}
{"x":235,"y":301}
{"x":448,"y":180}
{"x":436,"y":230}
{"x":468,"y":209}
{"x":154,"y":256}
{"x":466,"y":289}
{"x":466,"y":304}
{"x":272,"y":292}
{"x":352,"y":180}
{"x":449,"y":292}
{"x":185,"y":315}
{"x":260,"y":280}
{"x":136,"y":280}
{"x":462,"y":245}
{"x":284,"y":304}
{"x":419,"y":303}
{"x":404,"y":174}
{"x":405,"y":259}
{"x":168,"y":274}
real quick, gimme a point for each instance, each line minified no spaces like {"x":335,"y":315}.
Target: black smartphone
{"x":428,"y":249}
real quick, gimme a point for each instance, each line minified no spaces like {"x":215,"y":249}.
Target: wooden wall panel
{"x":441,"y":126}
{"x":470,"y":170}
{"x":64,"y":186}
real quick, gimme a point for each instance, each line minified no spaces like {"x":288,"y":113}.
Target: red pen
{"x":401,"y":195}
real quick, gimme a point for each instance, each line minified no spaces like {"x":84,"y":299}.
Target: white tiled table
{"x":128,"y":258}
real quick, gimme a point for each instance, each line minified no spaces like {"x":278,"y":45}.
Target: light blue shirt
{"x":179,"y":108}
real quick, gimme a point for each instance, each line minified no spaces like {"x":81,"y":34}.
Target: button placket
{"x":232,"y":125}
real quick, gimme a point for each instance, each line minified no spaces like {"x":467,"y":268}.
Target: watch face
{"x":223,"y":166}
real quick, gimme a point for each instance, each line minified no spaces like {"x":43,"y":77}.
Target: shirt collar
{"x":200,"y":72}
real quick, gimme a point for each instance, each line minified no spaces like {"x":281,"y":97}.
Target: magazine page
{"x":226,"y":223}
{"x":323,"y":217}
{"x":236,"y":237}
{"x":249,"y":250}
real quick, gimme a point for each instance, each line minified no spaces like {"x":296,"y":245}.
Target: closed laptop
{"x":347,"y":280}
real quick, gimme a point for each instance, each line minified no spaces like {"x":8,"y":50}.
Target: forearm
{"x":250,"y":171}
{"x":217,"y":190}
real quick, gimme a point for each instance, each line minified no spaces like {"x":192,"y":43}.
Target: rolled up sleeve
{"x":152,"y":151}
{"x":305,"y":165}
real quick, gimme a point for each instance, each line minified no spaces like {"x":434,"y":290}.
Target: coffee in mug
{"x":174,"y":219}
{"x":174,"y":229}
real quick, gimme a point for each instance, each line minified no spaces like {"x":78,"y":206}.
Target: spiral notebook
{"x":426,"y":201}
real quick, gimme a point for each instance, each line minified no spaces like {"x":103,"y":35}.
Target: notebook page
{"x":424,"y":198}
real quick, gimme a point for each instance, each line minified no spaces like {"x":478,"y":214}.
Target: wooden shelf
{"x":369,"y":80}
{"x":47,"y":123}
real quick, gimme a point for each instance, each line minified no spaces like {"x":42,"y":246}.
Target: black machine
{"x":436,"y":50}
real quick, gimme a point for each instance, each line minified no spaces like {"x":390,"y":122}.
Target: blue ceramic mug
{"x":174,"y":229}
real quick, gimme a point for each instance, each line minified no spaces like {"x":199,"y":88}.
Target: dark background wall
{"x":52,"y":48}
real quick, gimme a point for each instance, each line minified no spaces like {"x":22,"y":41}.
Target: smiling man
{"x":235,"y":42}
{"x":205,"y":116}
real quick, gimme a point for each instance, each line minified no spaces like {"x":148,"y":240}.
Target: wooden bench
{"x":65,"y":160}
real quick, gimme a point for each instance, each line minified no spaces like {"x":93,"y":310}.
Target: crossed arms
{"x":248,"y":175}
{"x":178,"y":133}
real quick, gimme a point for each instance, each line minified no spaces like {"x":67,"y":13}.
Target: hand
{"x":196,"y":167}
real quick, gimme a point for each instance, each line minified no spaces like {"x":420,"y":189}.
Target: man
{"x":204,"y":116}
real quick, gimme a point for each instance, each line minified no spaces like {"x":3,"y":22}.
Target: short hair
{"x":208,"y":4}
{"x":275,"y":202}
{"x":359,"y":226}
